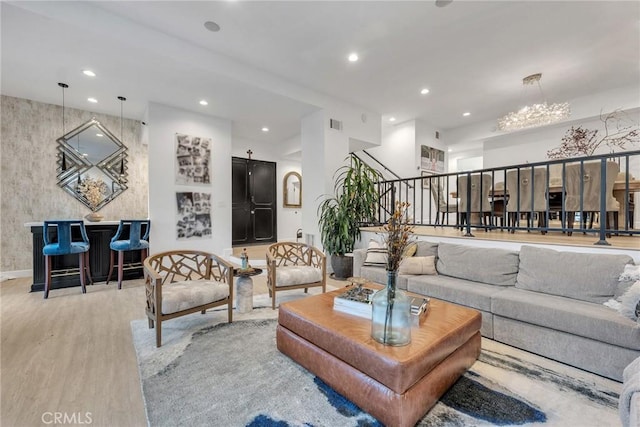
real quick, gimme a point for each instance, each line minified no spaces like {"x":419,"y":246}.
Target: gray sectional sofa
{"x":541,"y":300}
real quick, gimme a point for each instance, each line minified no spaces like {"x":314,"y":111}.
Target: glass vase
{"x":391,"y":318}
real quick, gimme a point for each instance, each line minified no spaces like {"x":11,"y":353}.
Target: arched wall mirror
{"x":88,"y":153}
{"x":292,"y":187}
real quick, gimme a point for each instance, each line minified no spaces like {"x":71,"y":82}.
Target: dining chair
{"x":58,"y":241}
{"x":440,"y":199}
{"x":527,"y":189}
{"x":473,"y":192}
{"x":583,"y":188}
{"x":135,"y":242}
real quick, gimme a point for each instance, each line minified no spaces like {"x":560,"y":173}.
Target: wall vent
{"x":335,"y":124}
{"x":437,"y":135}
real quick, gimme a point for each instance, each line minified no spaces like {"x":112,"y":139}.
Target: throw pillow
{"x":630,"y":275}
{"x":376,"y":255}
{"x":418,"y":265}
{"x":631,"y":272}
{"x":630,"y":302}
{"x":410,"y":250}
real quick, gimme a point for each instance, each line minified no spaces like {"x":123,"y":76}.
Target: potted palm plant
{"x":354,"y":202}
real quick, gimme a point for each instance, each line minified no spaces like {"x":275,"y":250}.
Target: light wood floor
{"x":73,"y":353}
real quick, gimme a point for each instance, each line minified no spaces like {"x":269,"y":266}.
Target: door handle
{"x":253,"y":212}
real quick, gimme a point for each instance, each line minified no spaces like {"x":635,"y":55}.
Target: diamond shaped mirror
{"x":92,"y":165}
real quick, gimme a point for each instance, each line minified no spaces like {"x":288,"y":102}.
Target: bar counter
{"x":100,"y":234}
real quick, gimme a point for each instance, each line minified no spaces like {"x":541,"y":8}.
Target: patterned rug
{"x":209,"y":373}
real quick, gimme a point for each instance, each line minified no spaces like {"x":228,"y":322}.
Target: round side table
{"x":244,"y":289}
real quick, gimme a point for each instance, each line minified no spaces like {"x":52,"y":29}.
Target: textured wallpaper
{"x":28,"y":188}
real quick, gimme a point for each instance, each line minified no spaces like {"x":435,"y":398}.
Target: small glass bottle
{"x":244,"y":257}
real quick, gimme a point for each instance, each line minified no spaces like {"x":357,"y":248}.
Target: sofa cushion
{"x":288,"y":275}
{"x":426,"y":248}
{"x":582,"y":318}
{"x":379,"y":275}
{"x":418,"y":265}
{"x":458,"y":291}
{"x":185,"y":294}
{"x":583,"y":276}
{"x":485,"y":265}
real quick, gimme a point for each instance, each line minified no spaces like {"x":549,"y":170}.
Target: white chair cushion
{"x":178,"y":296}
{"x":297,"y":275}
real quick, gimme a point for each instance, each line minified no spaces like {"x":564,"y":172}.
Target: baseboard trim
{"x":9,"y":275}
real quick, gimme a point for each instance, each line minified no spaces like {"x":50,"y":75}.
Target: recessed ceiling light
{"x":99,"y":135}
{"x":392,"y":119}
{"x":265,"y":129}
{"x":449,"y":150}
{"x":204,"y":102}
{"x":212,"y":26}
{"x":467,"y":114}
{"x":88,"y":73}
{"x":424,"y":91}
{"x":353,"y":57}
{"x":92,"y":100}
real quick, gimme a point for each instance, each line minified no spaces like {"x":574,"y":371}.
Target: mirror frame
{"x":287,"y":203}
{"x":77,"y":165}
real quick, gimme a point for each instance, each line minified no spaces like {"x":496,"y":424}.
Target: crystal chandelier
{"x":535,"y":114}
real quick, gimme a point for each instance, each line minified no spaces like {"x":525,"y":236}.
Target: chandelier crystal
{"x":536,"y":114}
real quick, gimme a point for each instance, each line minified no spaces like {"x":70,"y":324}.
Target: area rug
{"x":209,"y":373}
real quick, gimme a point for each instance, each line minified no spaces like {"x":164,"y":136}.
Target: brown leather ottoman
{"x":397,"y":385}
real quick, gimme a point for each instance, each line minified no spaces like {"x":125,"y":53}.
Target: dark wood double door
{"x":253,"y":203}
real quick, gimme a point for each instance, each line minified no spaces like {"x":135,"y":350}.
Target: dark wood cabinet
{"x":66,"y":266}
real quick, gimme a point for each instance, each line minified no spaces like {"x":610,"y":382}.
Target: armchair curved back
{"x":290,"y":253}
{"x":175,"y":266}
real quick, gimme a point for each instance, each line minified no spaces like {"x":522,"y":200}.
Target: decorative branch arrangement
{"x":619,"y":130}
{"x":399,"y":233}
{"x":94,"y":190}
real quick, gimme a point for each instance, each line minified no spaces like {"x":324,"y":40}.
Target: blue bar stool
{"x":136,"y":242}
{"x":65,"y":246}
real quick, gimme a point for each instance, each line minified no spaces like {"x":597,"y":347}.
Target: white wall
{"x":317,"y":173}
{"x":398,"y":150}
{"x":163,"y":123}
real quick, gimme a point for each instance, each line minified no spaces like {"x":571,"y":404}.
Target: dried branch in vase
{"x":399,"y":233}
{"x":619,"y":131}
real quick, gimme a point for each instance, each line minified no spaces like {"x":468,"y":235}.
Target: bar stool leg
{"x":88,"y":267}
{"x":111,"y":256}
{"x":47,"y":275}
{"x":82,"y":272}
{"x":120,"y":268}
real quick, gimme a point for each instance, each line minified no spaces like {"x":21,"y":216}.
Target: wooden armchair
{"x":183,"y":282}
{"x":294,"y":266}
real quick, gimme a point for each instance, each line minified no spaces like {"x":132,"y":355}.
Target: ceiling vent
{"x":335,"y":124}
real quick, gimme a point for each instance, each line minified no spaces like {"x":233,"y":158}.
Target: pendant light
{"x":122,"y":99}
{"x":78,"y":137}
{"x":64,"y":157}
